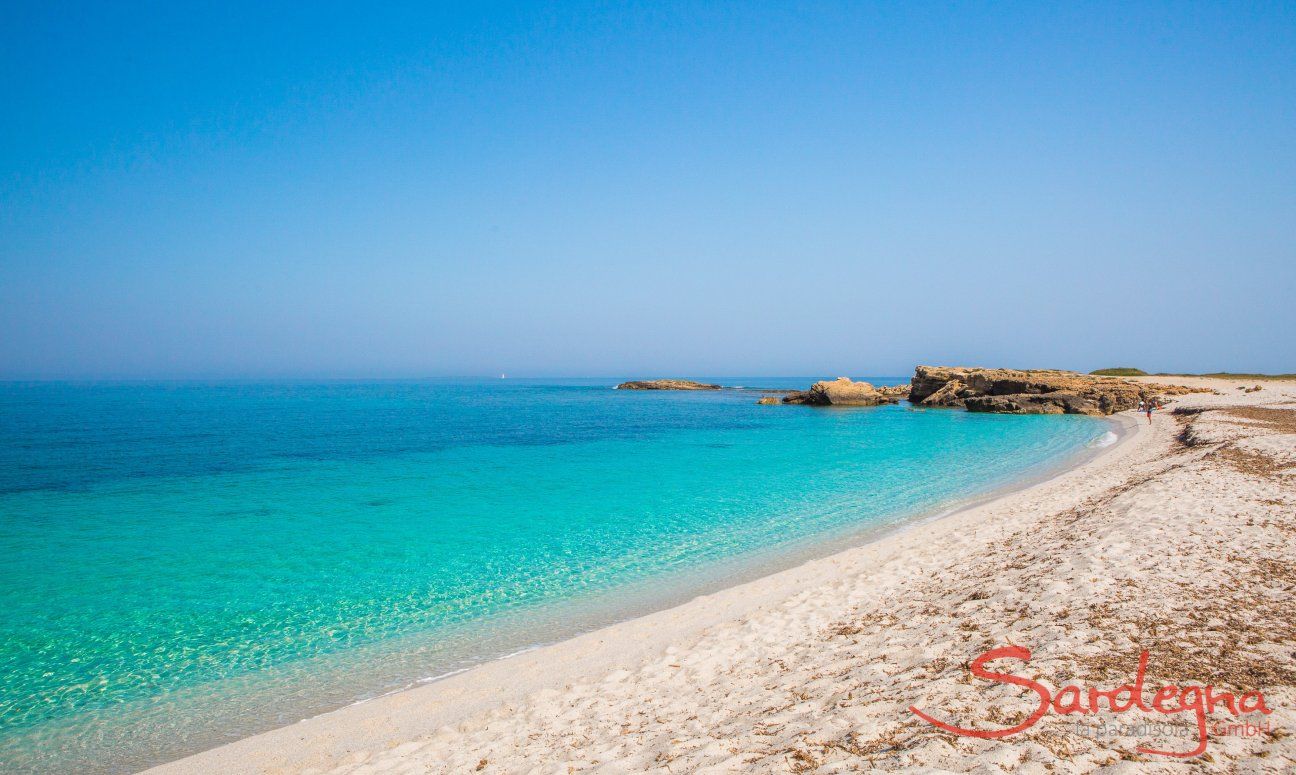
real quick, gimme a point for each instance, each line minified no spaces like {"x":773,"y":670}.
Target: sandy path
{"x":1182,"y":550}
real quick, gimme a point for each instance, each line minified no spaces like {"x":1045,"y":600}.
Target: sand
{"x":1177,"y":540}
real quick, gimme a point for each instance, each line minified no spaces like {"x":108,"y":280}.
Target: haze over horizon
{"x":644,"y":189}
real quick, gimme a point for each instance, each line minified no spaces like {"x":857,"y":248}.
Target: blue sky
{"x":336,"y":190}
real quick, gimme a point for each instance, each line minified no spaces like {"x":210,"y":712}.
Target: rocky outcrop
{"x":1034,"y":403}
{"x":1034,"y":391}
{"x":897,"y":392}
{"x":769,"y":400}
{"x":945,"y":395}
{"x":843,"y":392}
{"x":666,"y":384}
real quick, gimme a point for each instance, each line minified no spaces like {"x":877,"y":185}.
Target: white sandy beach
{"x":1176,"y":540}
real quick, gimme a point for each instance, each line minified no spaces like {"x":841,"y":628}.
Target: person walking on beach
{"x":1148,"y":407}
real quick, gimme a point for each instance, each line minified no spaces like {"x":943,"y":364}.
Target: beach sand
{"x":1177,"y":540}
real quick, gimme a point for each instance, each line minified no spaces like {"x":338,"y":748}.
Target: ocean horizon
{"x":191,"y":562}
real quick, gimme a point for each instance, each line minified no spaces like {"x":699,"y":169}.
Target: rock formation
{"x":844,"y":392}
{"x":666,"y":384}
{"x":1036,"y":391}
{"x":895,"y":391}
{"x":1032,"y":391}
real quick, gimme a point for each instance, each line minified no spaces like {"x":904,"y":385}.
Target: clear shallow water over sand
{"x":184,"y":564}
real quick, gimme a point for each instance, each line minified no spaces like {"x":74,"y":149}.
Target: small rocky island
{"x":842,"y":392}
{"x":667,"y":384}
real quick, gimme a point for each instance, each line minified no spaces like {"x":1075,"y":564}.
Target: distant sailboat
{"x":503,"y":376}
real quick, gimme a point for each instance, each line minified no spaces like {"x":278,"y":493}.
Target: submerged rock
{"x":1033,"y":391}
{"x":666,"y":384}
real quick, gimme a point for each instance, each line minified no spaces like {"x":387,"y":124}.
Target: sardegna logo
{"x":1169,"y":700}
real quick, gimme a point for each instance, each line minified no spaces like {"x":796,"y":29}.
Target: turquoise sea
{"x":182,"y":564}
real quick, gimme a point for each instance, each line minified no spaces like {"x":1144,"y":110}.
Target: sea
{"x":183,"y":564}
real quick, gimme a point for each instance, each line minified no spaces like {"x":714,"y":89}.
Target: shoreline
{"x":791,"y":559}
{"x":324,"y":741}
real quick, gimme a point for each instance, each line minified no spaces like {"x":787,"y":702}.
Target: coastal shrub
{"x":1123,"y":371}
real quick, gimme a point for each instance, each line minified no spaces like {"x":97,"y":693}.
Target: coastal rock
{"x":666,"y":384}
{"x":1059,"y":402}
{"x":1034,"y":391}
{"x":894,"y":391}
{"x":843,"y":392}
{"x":767,"y":400}
{"x":945,"y":395}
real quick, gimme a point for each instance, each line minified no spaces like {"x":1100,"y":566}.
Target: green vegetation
{"x":1128,"y":371}
{"x":1123,"y":371}
{"x":1228,"y":375}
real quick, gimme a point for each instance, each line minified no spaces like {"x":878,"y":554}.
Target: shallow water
{"x":183,"y":564}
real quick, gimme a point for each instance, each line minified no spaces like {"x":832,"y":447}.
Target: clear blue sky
{"x":645,"y":189}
